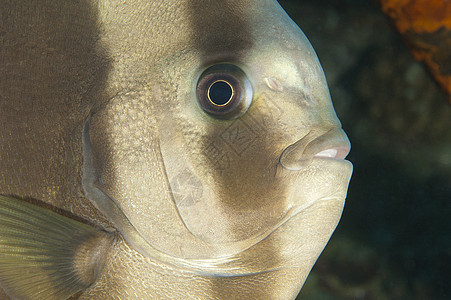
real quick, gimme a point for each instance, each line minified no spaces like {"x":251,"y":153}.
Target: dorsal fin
{"x":44,"y":255}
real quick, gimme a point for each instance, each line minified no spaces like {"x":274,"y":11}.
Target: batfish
{"x":163,"y":149}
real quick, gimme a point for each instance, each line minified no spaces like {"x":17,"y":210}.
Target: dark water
{"x":393,"y":241}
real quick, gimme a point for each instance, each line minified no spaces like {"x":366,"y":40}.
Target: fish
{"x":163,"y":149}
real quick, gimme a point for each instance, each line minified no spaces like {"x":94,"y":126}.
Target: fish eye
{"x":224,"y":91}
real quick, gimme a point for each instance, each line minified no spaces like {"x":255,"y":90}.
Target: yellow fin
{"x":44,"y":255}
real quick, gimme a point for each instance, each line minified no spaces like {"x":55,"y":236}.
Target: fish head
{"x":226,"y":149}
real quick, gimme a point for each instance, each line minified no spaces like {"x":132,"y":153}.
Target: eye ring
{"x":219,"y":103}
{"x":223,"y":91}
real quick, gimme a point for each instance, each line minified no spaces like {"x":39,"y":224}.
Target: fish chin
{"x":316,"y":202}
{"x":301,"y":235}
{"x":317,"y":198}
{"x":323,"y":179}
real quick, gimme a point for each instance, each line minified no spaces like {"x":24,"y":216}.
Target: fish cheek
{"x":224,"y":170}
{"x":242,"y":156}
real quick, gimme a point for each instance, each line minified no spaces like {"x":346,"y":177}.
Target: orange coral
{"x":426,"y":25}
{"x":419,"y":15}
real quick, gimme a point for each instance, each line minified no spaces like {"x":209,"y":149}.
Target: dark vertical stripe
{"x":221,"y":27}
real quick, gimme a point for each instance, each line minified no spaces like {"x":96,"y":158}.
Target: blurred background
{"x":393,"y":241}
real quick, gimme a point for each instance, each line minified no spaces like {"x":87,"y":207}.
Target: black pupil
{"x":220,"y":93}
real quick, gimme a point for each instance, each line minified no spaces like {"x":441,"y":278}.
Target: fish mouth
{"x":334,"y":145}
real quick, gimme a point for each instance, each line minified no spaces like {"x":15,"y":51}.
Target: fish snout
{"x":334,"y":144}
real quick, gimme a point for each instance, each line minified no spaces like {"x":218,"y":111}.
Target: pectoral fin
{"x":44,"y":255}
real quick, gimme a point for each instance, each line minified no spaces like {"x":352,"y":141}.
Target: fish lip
{"x":332,"y":145}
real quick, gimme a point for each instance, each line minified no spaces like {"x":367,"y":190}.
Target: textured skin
{"x":144,"y":277}
{"x":131,"y":68}
{"x":47,"y":72}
